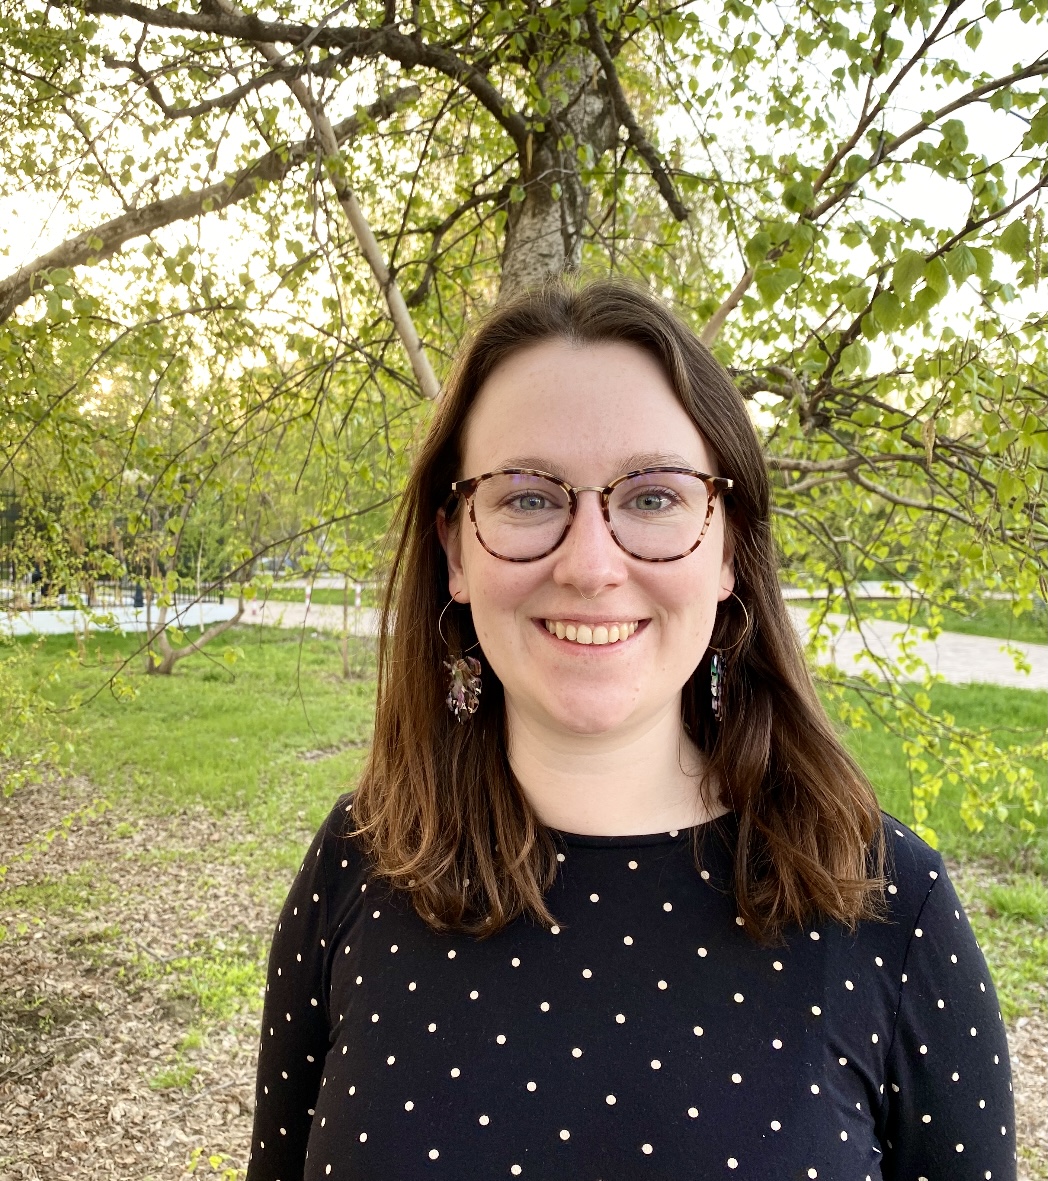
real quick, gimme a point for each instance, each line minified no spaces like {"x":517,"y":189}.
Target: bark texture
{"x":545,"y":230}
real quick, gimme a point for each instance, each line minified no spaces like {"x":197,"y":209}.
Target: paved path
{"x":959,"y":659}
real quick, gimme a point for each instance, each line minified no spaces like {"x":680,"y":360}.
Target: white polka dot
{"x":973,"y":1031}
{"x":363,"y":1136}
{"x":732,"y":1163}
{"x":594,"y":898}
{"x":433,"y":1154}
{"x":739,"y":998}
{"x":776,"y":1126}
{"x":703,"y":952}
{"x":878,"y":961}
{"x":693,"y":1112}
{"x":874,"y":1038}
{"x":667,"y":906}
{"x":283,"y":1131}
{"x":610,"y":1100}
{"x":390,"y":1060}
{"x":918,"y":932}
{"x":926,"y":1119}
{"x":501,"y":1039}
{"x":633,"y":865}
{"x":544,"y":1006}
{"x":740,"y":921}
{"x":704,"y":874}
{"x":375,"y":914}
{"x":959,"y":1147}
{"x":777,"y":965}
{"x":646,"y":1149}
{"x":344,"y":864}
{"x":932,"y":874}
{"x":924,"y":1049}
{"x":409,"y":1106}
{"x":515,"y":1169}
{"x":982,"y":1102}
{"x":814,"y":935}
{"x":816,"y":1010}
{"x":560,"y":856}
{"x":452,"y":953}
{"x":736,"y":1078}
{"x":432,"y":1027}
{"x":586,"y":973}
{"x":663,"y":985}
{"x":628,"y":940}
{"x":554,"y":930}
{"x":484,"y":1121}
{"x":656,"y":1064}
{"x":455,"y":1072}
{"x":532,"y":1086}
{"x":813,"y":1173}
{"x":843,"y":1061}
{"x":844,"y":1135}
{"x":697,"y":1031}
{"x":565,"y":1134}
{"x":576,"y":1052}
{"x":620,"y":1018}
{"x":941,"y":1004}
{"x":955,"y":1076}
{"x":515,"y":962}
{"x":674,"y":831}
{"x":363,"y":1139}
{"x":374,"y":1016}
{"x":473,"y":994}
{"x":815,"y":1088}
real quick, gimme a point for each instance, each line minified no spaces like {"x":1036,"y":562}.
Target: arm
{"x":948,"y":1110}
{"x":294,"y":1040}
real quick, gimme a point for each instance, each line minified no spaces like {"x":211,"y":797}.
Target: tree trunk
{"x":170,"y":656}
{"x":545,"y":230}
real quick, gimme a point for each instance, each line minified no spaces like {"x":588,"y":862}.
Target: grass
{"x":329,"y":596}
{"x":237,"y":742}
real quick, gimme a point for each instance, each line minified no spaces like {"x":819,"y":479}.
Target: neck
{"x":645,"y":780}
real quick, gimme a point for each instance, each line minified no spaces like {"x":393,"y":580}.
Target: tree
{"x":754,"y":164}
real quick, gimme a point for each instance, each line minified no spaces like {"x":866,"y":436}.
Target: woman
{"x":611,"y":900}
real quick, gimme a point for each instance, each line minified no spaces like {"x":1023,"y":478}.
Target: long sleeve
{"x":294,"y":1041}
{"x":948,"y":1095}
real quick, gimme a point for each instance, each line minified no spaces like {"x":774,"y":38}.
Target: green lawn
{"x":280,"y":735}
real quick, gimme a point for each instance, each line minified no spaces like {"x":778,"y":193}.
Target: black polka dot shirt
{"x":646,"y":1035}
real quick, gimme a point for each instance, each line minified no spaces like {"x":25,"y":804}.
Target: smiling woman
{"x":631,"y":910}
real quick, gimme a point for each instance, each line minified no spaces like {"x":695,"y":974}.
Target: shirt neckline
{"x":674,"y":836}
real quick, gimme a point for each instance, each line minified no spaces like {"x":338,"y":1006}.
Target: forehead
{"x":587,"y":412}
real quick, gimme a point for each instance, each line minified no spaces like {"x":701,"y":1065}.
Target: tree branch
{"x":328,"y":141}
{"x":386,"y":41}
{"x":103,"y":241}
{"x":638,"y":140}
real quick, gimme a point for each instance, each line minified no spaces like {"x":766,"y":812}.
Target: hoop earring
{"x":718,"y":667}
{"x":464,"y":683}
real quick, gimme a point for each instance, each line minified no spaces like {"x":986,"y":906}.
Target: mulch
{"x":92,"y":1023}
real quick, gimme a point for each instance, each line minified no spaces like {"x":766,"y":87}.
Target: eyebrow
{"x":628,"y":464}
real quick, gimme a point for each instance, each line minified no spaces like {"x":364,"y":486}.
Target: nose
{"x":589,"y":559}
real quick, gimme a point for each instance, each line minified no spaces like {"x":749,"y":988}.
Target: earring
{"x":464,"y":683}
{"x":716,"y":685}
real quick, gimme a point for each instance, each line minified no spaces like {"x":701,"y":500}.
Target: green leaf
{"x":907,"y":270}
{"x":773,"y":282}
{"x":936,"y":276}
{"x":961,"y":264}
{"x":1015,"y":241}
{"x":887,"y":311}
{"x":757,"y":248}
{"x":855,"y":358}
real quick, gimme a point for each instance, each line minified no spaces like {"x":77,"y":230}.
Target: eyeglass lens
{"x":653,"y":515}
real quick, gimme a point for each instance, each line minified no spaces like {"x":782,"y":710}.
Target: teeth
{"x":584,"y":634}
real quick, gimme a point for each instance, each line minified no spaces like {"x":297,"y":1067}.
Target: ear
{"x":450,"y":535}
{"x":727,"y":570}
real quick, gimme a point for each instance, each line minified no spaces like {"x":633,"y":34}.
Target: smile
{"x":584,"y":633}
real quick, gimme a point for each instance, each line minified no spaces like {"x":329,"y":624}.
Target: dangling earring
{"x":716,"y":679}
{"x":718,"y":667}
{"x":463,"y":678}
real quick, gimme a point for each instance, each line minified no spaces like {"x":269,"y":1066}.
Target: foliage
{"x":197,"y":381}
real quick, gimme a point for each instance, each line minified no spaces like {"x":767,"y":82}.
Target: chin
{"x":590,"y":720}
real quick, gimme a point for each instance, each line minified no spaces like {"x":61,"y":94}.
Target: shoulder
{"x":336,"y":853}
{"x":912,"y":868}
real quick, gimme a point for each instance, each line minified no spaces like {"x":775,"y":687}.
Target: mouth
{"x":598,"y":634}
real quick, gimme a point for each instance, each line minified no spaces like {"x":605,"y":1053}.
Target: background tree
{"x":763,"y":167}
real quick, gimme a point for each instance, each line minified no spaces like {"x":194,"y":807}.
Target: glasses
{"x":656,"y":514}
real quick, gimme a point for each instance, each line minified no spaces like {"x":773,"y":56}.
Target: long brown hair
{"x":442,"y":814}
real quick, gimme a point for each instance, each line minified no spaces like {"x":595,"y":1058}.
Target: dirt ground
{"x":93,"y":1027}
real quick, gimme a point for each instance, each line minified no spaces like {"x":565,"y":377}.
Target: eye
{"x":653,"y":500}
